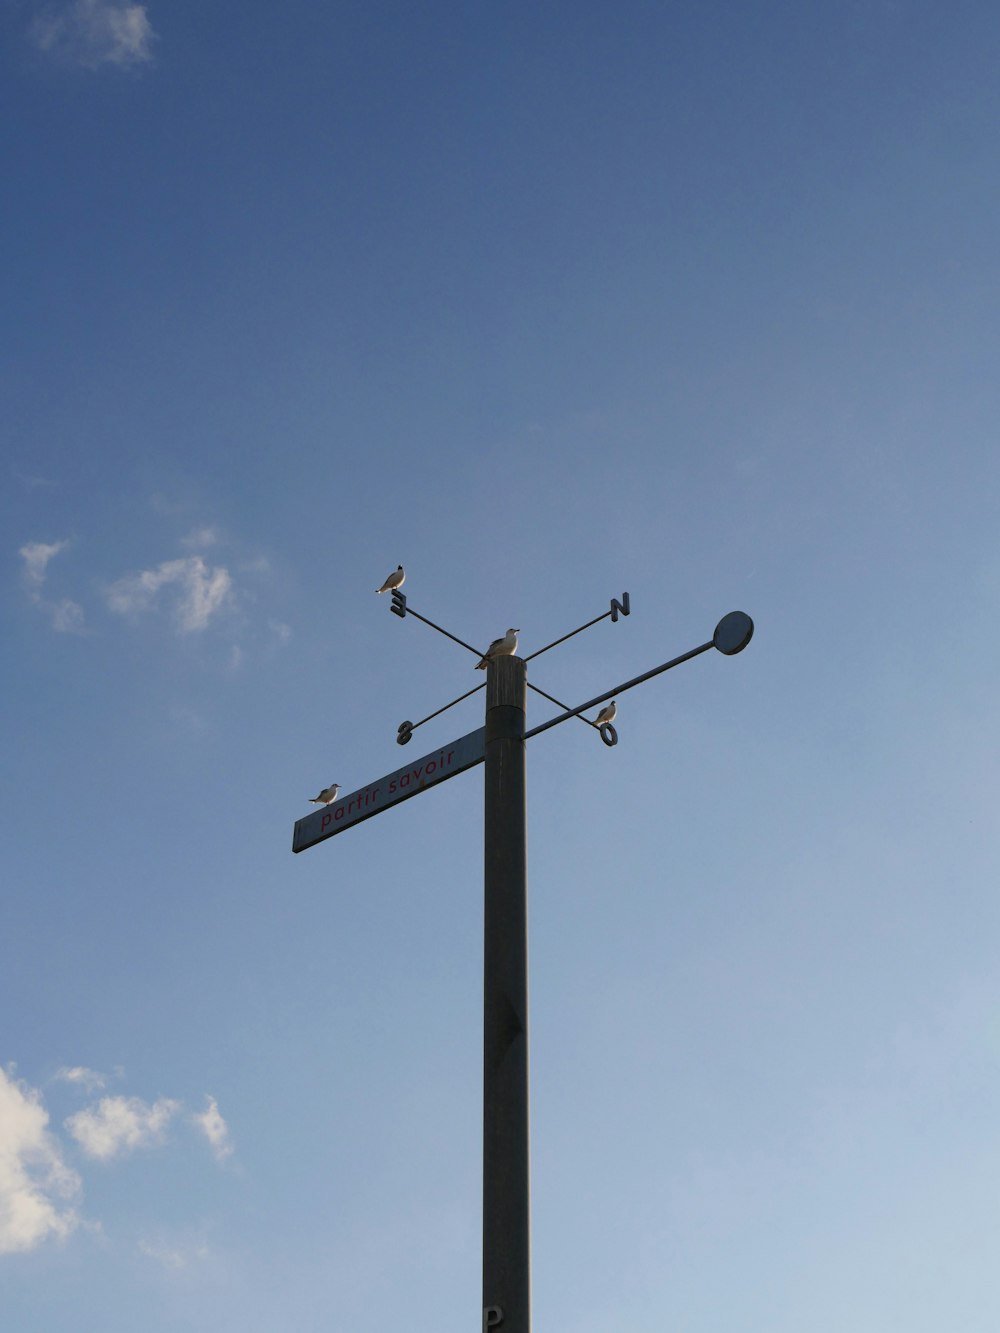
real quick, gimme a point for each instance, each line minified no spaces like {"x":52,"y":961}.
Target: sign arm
{"x":620,"y":689}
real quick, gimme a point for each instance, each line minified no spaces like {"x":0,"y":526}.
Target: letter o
{"x":608,"y":734}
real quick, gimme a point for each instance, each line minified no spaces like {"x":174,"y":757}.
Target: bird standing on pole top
{"x":505,"y":647}
{"x":607,"y":714}
{"x":395,"y":580}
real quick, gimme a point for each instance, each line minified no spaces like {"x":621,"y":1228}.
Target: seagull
{"x":327,"y":796}
{"x":607,"y":714}
{"x":395,"y":580}
{"x":504,"y":647}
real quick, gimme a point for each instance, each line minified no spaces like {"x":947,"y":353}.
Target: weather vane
{"x":506,"y":646}
{"x":500,"y":744}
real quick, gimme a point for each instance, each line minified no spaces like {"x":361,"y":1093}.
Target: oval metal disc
{"x":733,"y":633}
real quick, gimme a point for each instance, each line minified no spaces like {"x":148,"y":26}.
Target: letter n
{"x":621,"y":606}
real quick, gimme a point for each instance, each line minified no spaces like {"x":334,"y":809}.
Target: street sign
{"x":506,"y":1232}
{"x":433,"y":768}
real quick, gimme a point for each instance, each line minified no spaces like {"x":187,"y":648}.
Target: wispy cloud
{"x":200,"y":538}
{"x":188,"y":718}
{"x":87,"y":1079}
{"x":36,"y":1185}
{"x":36,"y":557}
{"x":117,"y":1126}
{"x":93,"y":33}
{"x":215,"y":1129}
{"x":173,"y":1257}
{"x":193,"y":590}
{"x":258,"y":565}
{"x":200,"y":591}
{"x":65,"y":614}
{"x":31,"y":481}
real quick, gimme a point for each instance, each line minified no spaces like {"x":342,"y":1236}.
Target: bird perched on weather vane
{"x":327,"y":796}
{"x":395,"y":580}
{"x":607,"y":714}
{"x":505,"y":647}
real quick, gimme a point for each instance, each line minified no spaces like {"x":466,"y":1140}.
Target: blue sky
{"x":546,"y":302}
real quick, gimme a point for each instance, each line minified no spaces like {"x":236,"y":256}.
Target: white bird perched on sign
{"x":327,"y":796}
{"x":504,"y":647}
{"x":607,"y":714}
{"x":395,"y":580}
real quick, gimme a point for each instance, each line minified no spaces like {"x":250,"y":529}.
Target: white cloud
{"x":96,"y":32}
{"x":36,"y":556}
{"x":119,"y":1125}
{"x":201,"y":591}
{"x":205,"y":592}
{"x":215,"y":1129}
{"x":35,"y":1183}
{"x":87,"y":1079}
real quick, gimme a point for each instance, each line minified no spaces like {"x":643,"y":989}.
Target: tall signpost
{"x":501,"y":745}
{"x":506,"y":1249}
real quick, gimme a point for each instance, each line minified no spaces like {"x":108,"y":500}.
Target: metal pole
{"x":506,"y":1242}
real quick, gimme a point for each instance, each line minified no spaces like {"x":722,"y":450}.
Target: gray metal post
{"x":506,"y":1242}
